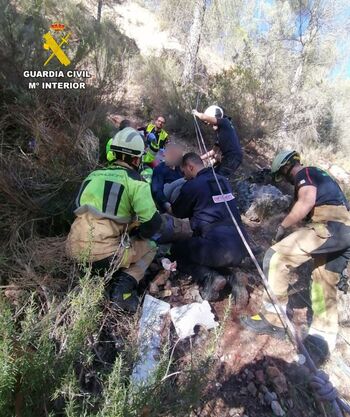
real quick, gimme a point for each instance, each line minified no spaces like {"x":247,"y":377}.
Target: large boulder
{"x":260,"y":201}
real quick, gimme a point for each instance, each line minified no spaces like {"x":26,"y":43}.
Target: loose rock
{"x":252,"y":389}
{"x":277,"y":409}
{"x":260,"y":376}
{"x":268,"y":397}
{"x":278,"y":379}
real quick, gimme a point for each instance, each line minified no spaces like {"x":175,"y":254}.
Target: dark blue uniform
{"x":231,"y":150}
{"x":328,"y":191}
{"x":162,"y":175}
{"x":215,"y":242}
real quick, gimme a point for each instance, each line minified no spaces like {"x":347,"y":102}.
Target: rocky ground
{"x":256,"y":375}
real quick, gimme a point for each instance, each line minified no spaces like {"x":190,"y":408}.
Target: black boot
{"x":240,"y":296}
{"x":260,"y":325}
{"x":123,"y":292}
{"x":212,"y":284}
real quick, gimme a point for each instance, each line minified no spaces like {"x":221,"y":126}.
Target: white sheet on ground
{"x":186,"y":317}
{"x":151,"y":330}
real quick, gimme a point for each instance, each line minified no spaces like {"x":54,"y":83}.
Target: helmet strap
{"x":288,"y":176}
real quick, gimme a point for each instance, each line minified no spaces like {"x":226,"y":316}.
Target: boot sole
{"x":276,"y":333}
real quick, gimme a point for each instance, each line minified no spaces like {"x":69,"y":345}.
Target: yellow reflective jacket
{"x":162,"y":135}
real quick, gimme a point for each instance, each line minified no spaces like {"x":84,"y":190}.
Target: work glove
{"x":167,"y":208}
{"x":281,"y":232}
{"x":151,"y":137}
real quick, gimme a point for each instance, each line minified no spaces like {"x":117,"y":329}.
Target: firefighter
{"x":110,"y":200}
{"x":325,"y":239}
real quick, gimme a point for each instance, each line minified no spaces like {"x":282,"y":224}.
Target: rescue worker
{"x":110,"y":200}
{"x":227,"y":140}
{"x":146,"y":171}
{"x":166,"y":173}
{"x":154,"y":133}
{"x":325,"y":239}
{"x":216,"y":244}
{"x":110,"y":156}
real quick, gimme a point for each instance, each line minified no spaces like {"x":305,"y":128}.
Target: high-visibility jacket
{"x":162,"y":136}
{"x":109,"y":153}
{"x":117,"y":193}
{"x":110,"y":199}
{"x":151,"y":153}
{"x":147,"y":173}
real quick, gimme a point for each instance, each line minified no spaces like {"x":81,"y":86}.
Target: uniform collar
{"x":203,"y":171}
{"x":123,"y":165}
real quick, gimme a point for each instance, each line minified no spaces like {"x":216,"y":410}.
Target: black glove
{"x":281,"y":232}
{"x":135,"y":232}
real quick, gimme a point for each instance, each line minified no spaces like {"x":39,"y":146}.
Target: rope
{"x":320,"y":381}
{"x":197,"y":135}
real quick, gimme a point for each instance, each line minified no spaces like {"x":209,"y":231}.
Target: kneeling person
{"x":216,"y":244}
{"x":109,"y":201}
{"x":325,"y":240}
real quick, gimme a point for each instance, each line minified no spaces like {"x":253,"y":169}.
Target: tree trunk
{"x":194,"y":39}
{"x":307,"y":38}
{"x":99,"y":10}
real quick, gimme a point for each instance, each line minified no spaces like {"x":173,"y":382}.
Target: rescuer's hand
{"x":196,"y":113}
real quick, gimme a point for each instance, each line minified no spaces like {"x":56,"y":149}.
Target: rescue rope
{"x":324,"y":389}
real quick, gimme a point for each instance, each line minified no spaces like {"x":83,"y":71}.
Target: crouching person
{"x":324,"y":239}
{"x":109,"y":201}
{"x":215,"y":246}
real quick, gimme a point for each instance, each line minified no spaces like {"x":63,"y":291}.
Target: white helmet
{"x":128,"y":141}
{"x":214,"y":111}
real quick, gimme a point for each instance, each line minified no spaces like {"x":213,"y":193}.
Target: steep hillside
{"x":64,"y":350}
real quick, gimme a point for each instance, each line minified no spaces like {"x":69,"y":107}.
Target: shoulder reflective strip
{"x":222,"y":198}
{"x":82,"y":188}
{"x":256,"y":317}
{"x":308,"y":175}
{"x":111,"y":197}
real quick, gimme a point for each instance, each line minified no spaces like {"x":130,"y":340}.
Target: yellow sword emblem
{"x":50,"y":43}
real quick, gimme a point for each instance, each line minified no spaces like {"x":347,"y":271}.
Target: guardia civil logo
{"x":54,"y":40}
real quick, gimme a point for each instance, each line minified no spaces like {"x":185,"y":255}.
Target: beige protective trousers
{"x":92,"y":239}
{"x":326,"y":241}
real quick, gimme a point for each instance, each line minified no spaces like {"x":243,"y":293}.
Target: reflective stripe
{"x":162,"y":135}
{"x":270,"y":308}
{"x":111,"y":197}
{"x":142,"y":264}
{"x":318,"y":301}
{"x":99,"y":215}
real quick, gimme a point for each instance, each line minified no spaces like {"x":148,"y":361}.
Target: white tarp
{"x":186,"y":317}
{"x":150,"y":337}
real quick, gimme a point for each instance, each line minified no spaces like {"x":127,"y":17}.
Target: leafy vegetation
{"x":271,"y":65}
